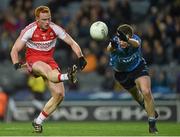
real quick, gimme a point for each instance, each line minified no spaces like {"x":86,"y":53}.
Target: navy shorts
{"x":127,"y":79}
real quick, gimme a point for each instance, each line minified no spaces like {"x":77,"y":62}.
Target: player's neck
{"x":41,"y":28}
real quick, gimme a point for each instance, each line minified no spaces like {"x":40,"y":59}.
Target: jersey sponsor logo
{"x":42,"y":46}
{"x":128,"y":59}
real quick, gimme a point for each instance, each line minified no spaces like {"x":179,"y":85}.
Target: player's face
{"x":44,"y":20}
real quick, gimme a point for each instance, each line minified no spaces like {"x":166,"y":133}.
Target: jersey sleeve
{"x":136,"y":37}
{"x":27,"y":33}
{"x":60,"y":32}
{"x":25,"y":36}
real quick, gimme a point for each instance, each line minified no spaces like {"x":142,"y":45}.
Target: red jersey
{"x":40,"y":44}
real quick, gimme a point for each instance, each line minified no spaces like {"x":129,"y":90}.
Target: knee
{"x":61,"y":95}
{"x":58,"y":100}
{"x":146,"y":92}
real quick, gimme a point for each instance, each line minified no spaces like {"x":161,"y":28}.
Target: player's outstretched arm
{"x":17,"y":47}
{"x":76,"y":48}
{"x":125,"y":38}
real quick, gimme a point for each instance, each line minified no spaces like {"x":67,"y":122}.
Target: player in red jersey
{"x":39,"y":39}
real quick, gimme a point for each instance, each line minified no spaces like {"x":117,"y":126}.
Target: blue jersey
{"x":126,"y":59}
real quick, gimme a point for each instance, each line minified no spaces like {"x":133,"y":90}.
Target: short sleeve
{"x":60,"y":32}
{"x":25,"y":36}
{"x":27,"y":33}
{"x":136,"y":37}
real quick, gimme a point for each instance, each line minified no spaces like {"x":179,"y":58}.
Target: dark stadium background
{"x":157,"y":22}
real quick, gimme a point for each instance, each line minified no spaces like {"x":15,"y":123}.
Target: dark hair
{"x":126,"y":29}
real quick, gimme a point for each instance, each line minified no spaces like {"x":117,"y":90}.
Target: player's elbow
{"x":136,"y":44}
{"x":13,"y":52}
{"x":133,"y":42}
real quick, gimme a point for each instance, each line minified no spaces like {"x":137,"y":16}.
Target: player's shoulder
{"x":31,"y":25}
{"x":54,"y":26}
{"x":135,"y":36}
{"x":29,"y":29}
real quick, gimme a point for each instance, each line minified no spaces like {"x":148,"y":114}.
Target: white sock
{"x":40,"y":118}
{"x":64,"y":77}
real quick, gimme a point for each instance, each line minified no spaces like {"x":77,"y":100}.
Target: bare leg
{"x":144,"y":85}
{"x":57,"y":92}
{"x":137,"y":95}
{"x":44,"y":70}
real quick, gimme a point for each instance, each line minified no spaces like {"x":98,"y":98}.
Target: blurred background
{"x":157,"y":22}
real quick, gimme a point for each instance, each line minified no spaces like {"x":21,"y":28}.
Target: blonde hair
{"x":127,"y":29}
{"x":42,"y":9}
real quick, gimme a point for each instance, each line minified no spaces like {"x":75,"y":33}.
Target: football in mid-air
{"x":99,"y":30}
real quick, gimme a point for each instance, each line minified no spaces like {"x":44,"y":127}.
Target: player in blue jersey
{"x":130,"y":70}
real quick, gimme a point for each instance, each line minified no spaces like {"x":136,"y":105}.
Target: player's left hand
{"x":22,"y":67}
{"x":17,"y":65}
{"x":82,"y":63}
{"x":122,"y":36}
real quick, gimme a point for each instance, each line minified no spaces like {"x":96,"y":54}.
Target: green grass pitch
{"x":89,"y":129}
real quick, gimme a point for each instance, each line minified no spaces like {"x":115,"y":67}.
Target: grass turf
{"x":89,"y":129}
